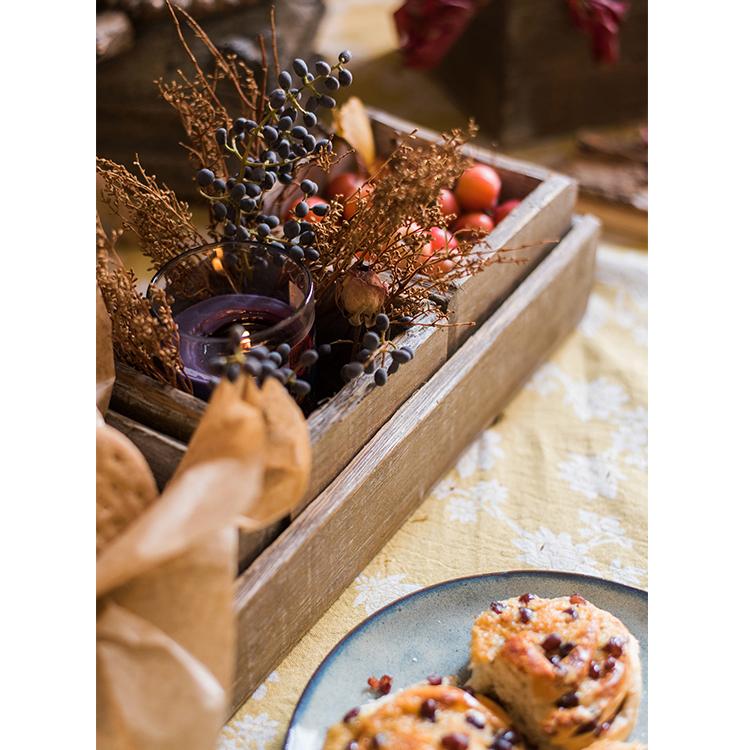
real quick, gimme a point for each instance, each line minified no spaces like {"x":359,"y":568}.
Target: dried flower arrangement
{"x":380,"y":250}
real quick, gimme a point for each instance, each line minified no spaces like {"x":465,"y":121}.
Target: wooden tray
{"x":341,"y":427}
{"x":298,"y":576}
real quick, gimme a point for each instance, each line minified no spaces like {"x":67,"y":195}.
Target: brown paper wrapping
{"x":165,"y":625}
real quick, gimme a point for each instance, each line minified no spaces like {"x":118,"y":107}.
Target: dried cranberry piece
{"x":589,"y":726}
{"x":434,"y":679}
{"x":475,"y":719}
{"x":510,"y":735}
{"x":353,"y":745}
{"x":497,"y":607}
{"x":350,"y":714}
{"x":551,"y":643}
{"x":614,"y":646}
{"x":610,"y":663}
{"x":526,"y":598}
{"x":603,"y":727}
{"x":569,"y":700}
{"x":381,"y":686}
{"x":595,"y":671}
{"x":379,"y":740}
{"x":524,"y":613}
{"x":572,"y":612}
{"x":455,"y":741}
{"x":566,"y":648}
{"x":428,"y":709}
{"x":501,"y":744}
{"x":577,"y":599}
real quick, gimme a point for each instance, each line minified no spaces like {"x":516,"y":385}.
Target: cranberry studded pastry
{"x":568,"y":672}
{"x":425,"y":717}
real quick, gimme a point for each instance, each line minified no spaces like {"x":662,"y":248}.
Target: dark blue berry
{"x":233,"y":371}
{"x":308,"y":358}
{"x":300,"y":388}
{"x":345,"y":77}
{"x":221,"y":136}
{"x":263,"y":230}
{"x":327,"y":101}
{"x":371,"y":341}
{"x":299,"y":132}
{"x":270,"y":134}
{"x":291,"y":229}
{"x":219,"y":211}
{"x":300,"y":67}
{"x":311,"y":253}
{"x":322,"y":68}
{"x":320,"y":209}
{"x":296,"y":252}
{"x":308,"y":187}
{"x":310,"y":119}
{"x":301,"y":209}
{"x":324,"y":350}
{"x":239,"y":124}
{"x":252,"y":189}
{"x":252,"y":367}
{"x":382,"y":322}
{"x":229,"y":229}
{"x":285,"y":79}
{"x":205,"y":177}
{"x":247,"y":204}
{"x":307,"y":237}
{"x":238,"y":192}
{"x":277,"y":98}
{"x":352,"y":370}
{"x":331,"y":83}
{"x":219,"y":185}
{"x":345,"y":56}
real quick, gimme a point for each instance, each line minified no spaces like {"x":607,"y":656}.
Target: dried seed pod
{"x":361,"y":295}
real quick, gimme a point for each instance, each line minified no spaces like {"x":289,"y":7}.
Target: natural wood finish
{"x":160,"y":406}
{"x":525,"y":71}
{"x":162,"y":453}
{"x":295,"y":580}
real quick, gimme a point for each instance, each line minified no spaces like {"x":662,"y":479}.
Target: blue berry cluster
{"x":261,"y":363}
{"x":375,"y":345}
{"x":270,"y":151}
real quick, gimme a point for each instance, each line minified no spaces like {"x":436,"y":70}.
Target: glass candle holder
{"x":215,"y":287}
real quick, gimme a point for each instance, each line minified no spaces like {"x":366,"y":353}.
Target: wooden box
{"x":329,"y":541}
{"x":341,"y":427}
{"x":525,"y":71}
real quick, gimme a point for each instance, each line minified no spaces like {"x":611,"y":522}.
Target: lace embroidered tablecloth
{"x":559,"y":481}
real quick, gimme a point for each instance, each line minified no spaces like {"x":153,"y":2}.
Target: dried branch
{"x":143,"y":337}
{"x":390,"y":229}
{"x":162,"y":223}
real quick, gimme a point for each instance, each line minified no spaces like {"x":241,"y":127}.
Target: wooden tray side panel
{"x":295,"y":580}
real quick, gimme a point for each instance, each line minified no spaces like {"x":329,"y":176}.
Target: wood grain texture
{"x":162,"y":453}
{"x":295,"y":580}
{"x":525,"y":71}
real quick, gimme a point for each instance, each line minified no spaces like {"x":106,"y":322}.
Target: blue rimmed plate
{"x":428,"y":631}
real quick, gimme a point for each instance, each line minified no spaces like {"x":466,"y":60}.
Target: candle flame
{"x":216,"y":262}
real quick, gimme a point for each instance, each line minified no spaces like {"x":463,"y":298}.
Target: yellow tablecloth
{"x":559,"y":481}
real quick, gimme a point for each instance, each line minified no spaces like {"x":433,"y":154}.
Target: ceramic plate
{"x":427,"y":632}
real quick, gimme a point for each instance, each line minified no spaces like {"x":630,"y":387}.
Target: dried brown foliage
{"x":197,"y":99}
{"x":387,"y":232}
{"x":147,"y":342}
{"x":163,"y":224}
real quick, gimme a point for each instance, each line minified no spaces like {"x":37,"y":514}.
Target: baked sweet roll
{"x":568,"y":673}
{"x":424,"y":717}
